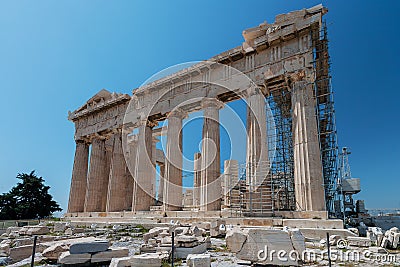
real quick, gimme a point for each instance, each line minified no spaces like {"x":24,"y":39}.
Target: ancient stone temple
{"x":281,"y":71}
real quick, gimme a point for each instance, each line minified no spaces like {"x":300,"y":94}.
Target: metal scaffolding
{"x":326,"y":115}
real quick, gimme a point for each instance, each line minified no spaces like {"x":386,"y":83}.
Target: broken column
{"x":210,"y":199}
{"x":173,"y":162}
{"x":79,"y":177}
{"x":97,"y":177}
{"x":308,"y":179}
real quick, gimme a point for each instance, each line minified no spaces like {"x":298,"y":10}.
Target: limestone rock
{"x":89,"y":247}
{"x":235,"y":239}
{"x":73,"y":259}
{"x":198,"y":260}
{"x":54,"y":252}
{"x":107,"y":255}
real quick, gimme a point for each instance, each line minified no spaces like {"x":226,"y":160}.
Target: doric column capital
{"x":211,"y":102}
{"x":178,"y":113}
{"x":254,"y":90}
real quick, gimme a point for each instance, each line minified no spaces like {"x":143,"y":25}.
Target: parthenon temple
{"x":281,"y":72}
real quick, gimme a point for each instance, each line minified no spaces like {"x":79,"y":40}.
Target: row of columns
{"x":106,"y":184}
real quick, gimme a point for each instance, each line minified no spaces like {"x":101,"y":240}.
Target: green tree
{"x":29,"y":199}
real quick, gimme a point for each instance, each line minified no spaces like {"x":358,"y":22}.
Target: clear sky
{"x":54,"y":55}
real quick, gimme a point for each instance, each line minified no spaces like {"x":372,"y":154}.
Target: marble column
{"x":257,"y":145}
{"x":308,"y":177}
{"x":259,"y":194}
{"x":231,"y":177}
{"x":211,"y":193}
{"x":144,"y":169}
{"x":131,"y":164}
{"x":196,"y":179}
{"x":79,"y":177}
{"x":116,"y":200}
{"x":97,"y":184}
{"x":173,"y":162}
{"x":161,"y":184}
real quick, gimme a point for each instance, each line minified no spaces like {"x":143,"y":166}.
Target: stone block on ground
{"x":183,"y":252}
{"x":235,"y":239}
{"x":260,"y":240}
{"x":120,"y":262}
{"x":107,"y":255}
{"x":35,"y":230}
{"x":73,"y":231}
{"x":60,"y":226}
{"x":54,"y":252}
{"x":89,"y":247}
{"x":147,"y":260}
{"x":298,"y":240}
{"x":359,"y":241}
{"x":74,"y":259}
{"x":13,"y":229}
{"x":23,"y":252}
{"x":198,"y":260}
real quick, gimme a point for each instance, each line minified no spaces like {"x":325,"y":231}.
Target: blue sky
{"x":54,"y":55}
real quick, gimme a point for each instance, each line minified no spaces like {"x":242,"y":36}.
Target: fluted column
{"x":144,"y":169}
{"x":211,"y":192}
{"x":116,"y":200}
{"x":257,"y":145}
{"x":97,"y":178}
{"x":196,"y":179}
{"x":308,"y":178}
{"x":259,"y":194}
{"x":79,"y":177}
{"x":231,"y":177}
{"x":173,"y":162}
{"x":131,"y":164}
{"x":161,"y":184}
